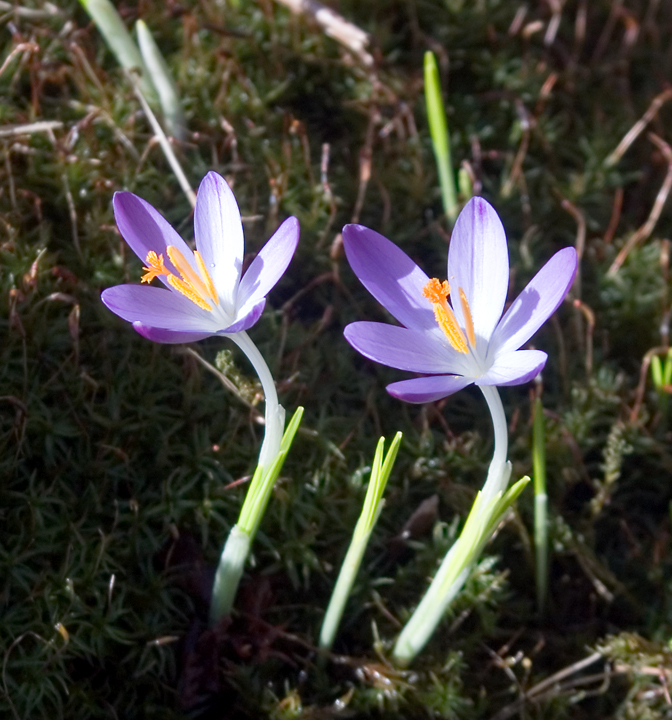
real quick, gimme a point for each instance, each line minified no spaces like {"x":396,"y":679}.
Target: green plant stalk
{"x":464,"y":183}
{"x":540,"y":503}
{"x":454,"y":571}
{"x":438,"y":129}
{"x":112,"y":28}
{"x":661,"y":374}
{"x":373,"y":505}
{"x":657,"y":372}
{"x":238,"y":543}
{"x":162,"y":79}
{"x":667,"y":374}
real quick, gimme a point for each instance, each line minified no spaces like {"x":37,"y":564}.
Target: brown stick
{"x":638,"y":127}
{"x":647,"y":228}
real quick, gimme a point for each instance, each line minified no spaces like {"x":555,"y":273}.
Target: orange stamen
{"x":208,"y":280}
{"x":191,"y":285}
{"x":187,"y":290}
{"x":188,"y":275}
{"x":155,"y":267}
{"x":437,"y":293}
{"x":468,"y":319}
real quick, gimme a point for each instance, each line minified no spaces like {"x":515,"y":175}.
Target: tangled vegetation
{"x":123,"y":463}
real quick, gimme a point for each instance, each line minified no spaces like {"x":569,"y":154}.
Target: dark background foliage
{"x":119,"y":458}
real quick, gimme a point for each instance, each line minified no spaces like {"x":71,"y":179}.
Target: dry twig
{"x":638,"y":127}
{"x":647,"y":228}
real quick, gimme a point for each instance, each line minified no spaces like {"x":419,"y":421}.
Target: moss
{"x":120,"y":460}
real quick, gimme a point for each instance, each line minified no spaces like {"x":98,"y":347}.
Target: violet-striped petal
{"x":145,"y":229}
{"x":270,"y":263}
{"x":219,"y":236}
{"x":536,"y":303}
{"x":246,"y":318}
{"x":402,"y":348}
{"x":514,"y":368}
{"x":390,"y":276}
{"x":478,"y":262}
{"x":428,"y":389}
{"x":171,"y":337}
{"x":158,"y":308}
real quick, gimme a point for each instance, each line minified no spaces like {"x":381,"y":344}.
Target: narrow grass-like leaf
{"x":438,"y":129}
{"x":373,"y":504}
{"x":120,"y":42}
{"x":667,"y":373}
{"x":540,"y":503}
{"x":464,"y":184}
{"x":657,"y":372}
{"x":162,"y":79}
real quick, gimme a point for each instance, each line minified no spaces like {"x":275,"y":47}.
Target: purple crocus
{"x":204,"y":294}
{"x":465,"y":340}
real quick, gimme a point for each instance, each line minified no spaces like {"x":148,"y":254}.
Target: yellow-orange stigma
{"x":198,"y":288}
{"x":155,"y":267}
{"x":437,"y":293}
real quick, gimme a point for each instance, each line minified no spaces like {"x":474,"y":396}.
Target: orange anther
{"x":468,"y":319}
{"x":437,"y":293}
{"x":205,"y":274}
{"x":188,"y":291}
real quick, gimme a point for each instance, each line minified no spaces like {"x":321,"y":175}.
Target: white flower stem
{"x":274,"y":413}
{"x":237,"y":546}
{"x":464,"y":553}
{"x":447,"y":582}
{"x":499,"y":470}
{"x":229,"y":572}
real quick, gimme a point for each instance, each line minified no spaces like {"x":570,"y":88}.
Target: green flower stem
{"x":373,"y":504}
{"x":540,"y":503}
{"x":229,"y":573}
{"x":454,"y":571}
{"x":438,"y":129}
{"x":488,"y":508}
{"x":237,"y":546}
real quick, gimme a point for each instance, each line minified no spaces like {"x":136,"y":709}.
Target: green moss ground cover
{"x":121,"y":461}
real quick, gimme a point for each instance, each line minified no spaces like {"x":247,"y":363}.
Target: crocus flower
{"x":453,"y":331}
{"x":204,"y":294}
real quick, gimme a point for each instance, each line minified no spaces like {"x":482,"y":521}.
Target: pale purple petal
{"x":514,"y":368}
{"x":478,"y":262}
{"x":247,"y":318}
{"x":145,"y":229}
{"x":402,"y":348}
{"x":270,"y":263}
{"x":219,"y":236}
{"x":428,"y":389}
{"x":158,"y":308}
{"x":390,"y":276}
{"x":172,"y":337}
{"x":538,"y":301}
